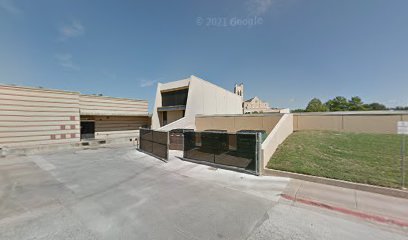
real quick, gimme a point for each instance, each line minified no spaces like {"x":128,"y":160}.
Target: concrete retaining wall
{"x":384,"y":122}
{"x":234,"y":123}
{"x":279,"y":133}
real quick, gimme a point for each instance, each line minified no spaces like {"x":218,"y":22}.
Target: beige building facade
{"x":45,"y":117}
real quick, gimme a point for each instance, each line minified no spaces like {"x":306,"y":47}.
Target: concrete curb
{"x":220,"y":166}
{"x":359,"y":214}
{"x":339,"y":183}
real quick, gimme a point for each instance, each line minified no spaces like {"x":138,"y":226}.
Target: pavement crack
{"x":261,"y":220}
{"x":114,"y":185}
{"x":185,"y":233}
{"x":296,"y":193}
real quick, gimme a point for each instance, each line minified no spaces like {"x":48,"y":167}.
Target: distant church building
{"x":255,"y":105}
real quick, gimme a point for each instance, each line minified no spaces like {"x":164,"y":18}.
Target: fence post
{"x":168,"y":145}
{"x":259,"y":155}
{"x":403,"y":162}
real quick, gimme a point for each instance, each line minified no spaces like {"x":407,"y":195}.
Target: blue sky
{"x":297,"y":50}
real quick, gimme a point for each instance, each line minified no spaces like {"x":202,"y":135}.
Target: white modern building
{"x":177,"y":103}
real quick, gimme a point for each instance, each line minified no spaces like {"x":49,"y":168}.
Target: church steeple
{"x":239,"y":90}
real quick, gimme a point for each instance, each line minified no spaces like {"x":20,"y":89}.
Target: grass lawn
{"x":357,"y":157}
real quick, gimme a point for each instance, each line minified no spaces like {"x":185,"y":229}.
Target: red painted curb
{"x":362,"y":215}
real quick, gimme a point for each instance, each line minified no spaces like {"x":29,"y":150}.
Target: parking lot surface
{"x":120,"y":193}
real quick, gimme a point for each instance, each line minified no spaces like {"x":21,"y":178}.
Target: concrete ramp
{"x":185,"y":122}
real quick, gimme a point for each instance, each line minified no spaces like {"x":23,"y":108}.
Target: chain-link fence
{"x":240,"y":151}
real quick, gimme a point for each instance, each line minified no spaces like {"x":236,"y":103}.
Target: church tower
{"x":239,"y":90}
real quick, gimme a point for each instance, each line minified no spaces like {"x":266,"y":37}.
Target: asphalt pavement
{"x":120,"y":193}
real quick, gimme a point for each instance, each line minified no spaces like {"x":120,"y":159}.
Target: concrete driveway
{"x":120,"y":193}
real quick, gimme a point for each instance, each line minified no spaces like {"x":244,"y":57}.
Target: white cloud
{"x":147,"y":83}
{"x":65,"y":61}
{"x":10,"y":7}
{"x":259,"y":7}
{"x":71,"y":30}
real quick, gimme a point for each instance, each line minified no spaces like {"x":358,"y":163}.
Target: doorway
{"x":87,"y":130}
{"x":164,"y":118}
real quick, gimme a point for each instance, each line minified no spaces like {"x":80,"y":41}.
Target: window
{"x":164,"y":118}
{"x":174,"y":98}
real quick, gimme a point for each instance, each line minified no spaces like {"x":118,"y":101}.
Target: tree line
{"x":343,"y":104}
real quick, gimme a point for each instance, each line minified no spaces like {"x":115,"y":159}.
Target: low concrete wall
{"x":234,"y":123}
{"x":279,"y":133}
{"x":364,"y":122}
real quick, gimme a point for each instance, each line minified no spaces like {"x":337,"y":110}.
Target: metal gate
{"x":155,"y":143}
{"x":236,"y":151}
{"x":176,"y":138}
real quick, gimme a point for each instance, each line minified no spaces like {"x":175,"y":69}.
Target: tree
{"x":355,"y":104}
{"x":342,"y":104}
{"x":375,"y":106}
{"x":297,"y":110}
{"x":337,"y":104}
{"x":315,"y":105}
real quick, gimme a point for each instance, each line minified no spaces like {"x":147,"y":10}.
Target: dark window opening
{"x":174,"y":98}
{"x":87,"y":130}
{"x":164,"y":118}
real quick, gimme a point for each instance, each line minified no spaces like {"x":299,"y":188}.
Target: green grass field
{"x":356,"y":157}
